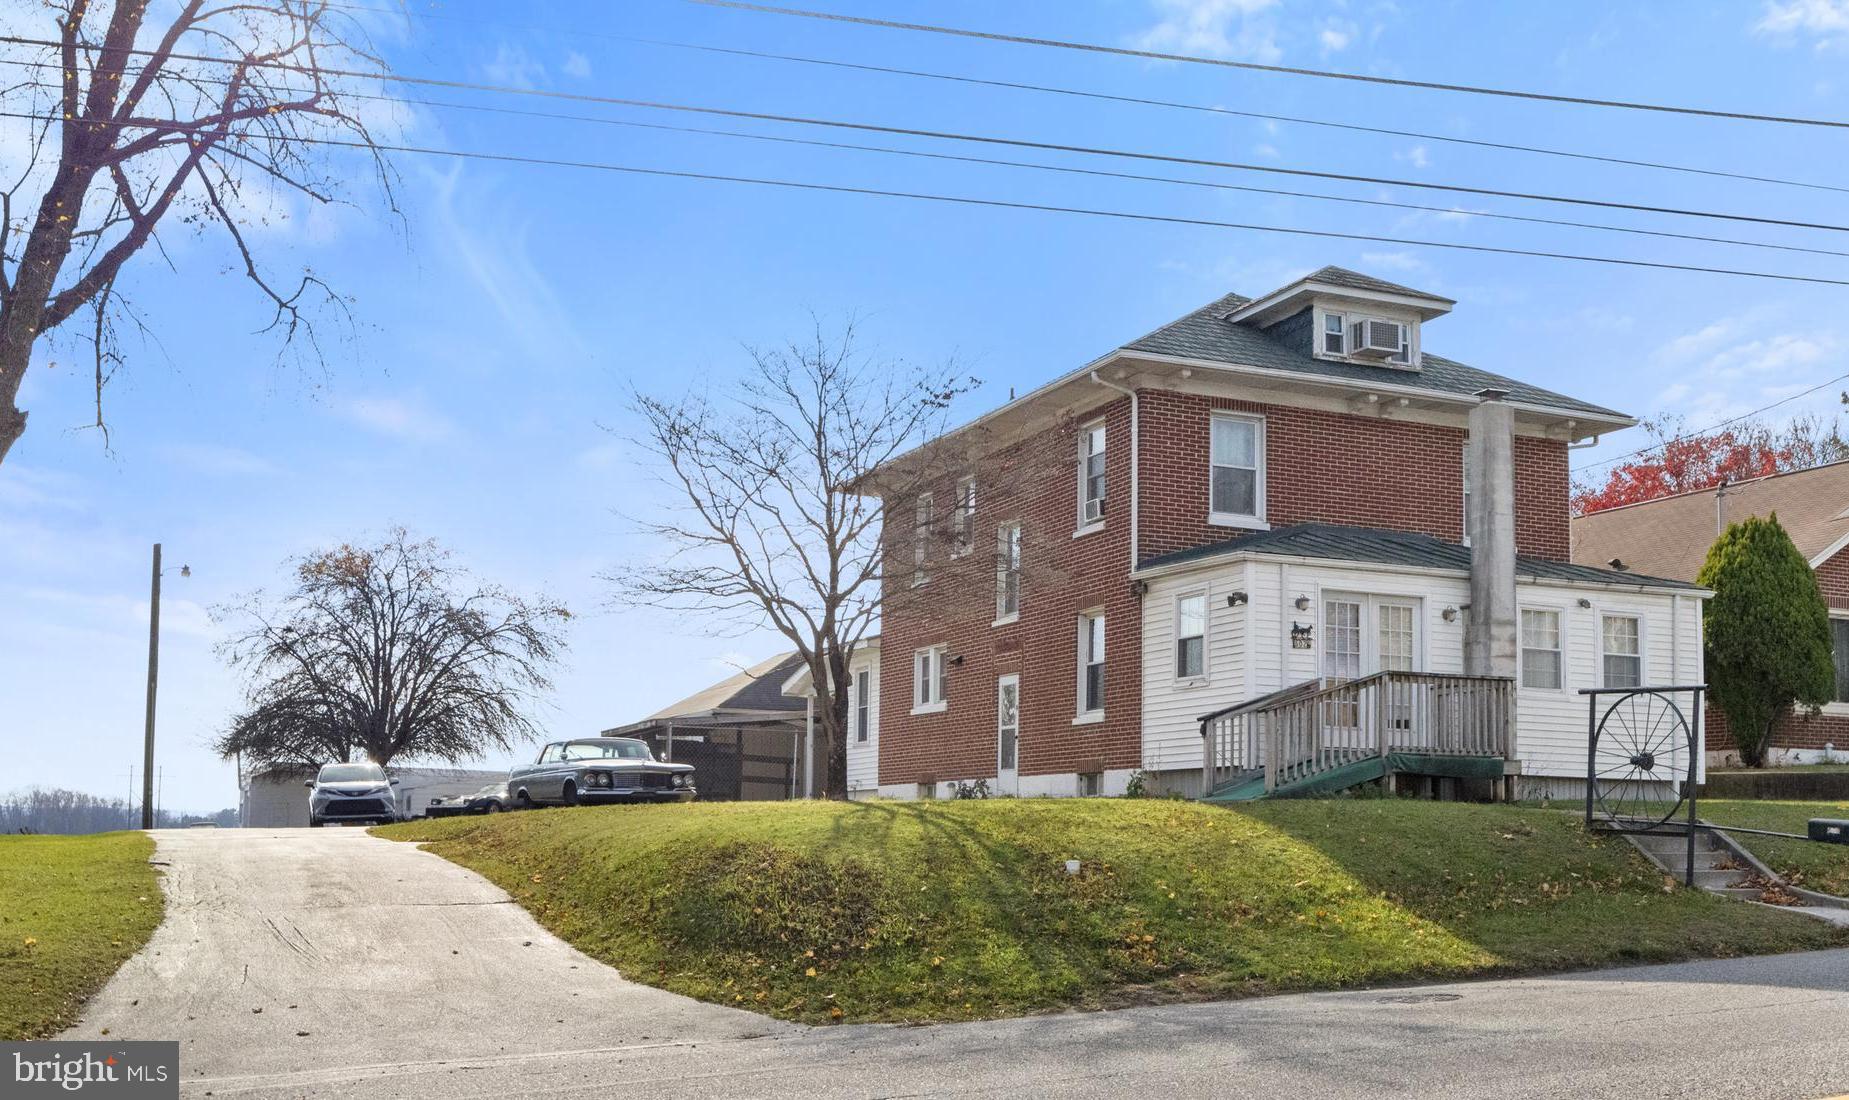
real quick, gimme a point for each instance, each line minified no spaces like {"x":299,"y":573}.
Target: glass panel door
{"x":1007,"y":733}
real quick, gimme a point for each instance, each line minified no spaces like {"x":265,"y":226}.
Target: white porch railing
{"x":1316,"y":726}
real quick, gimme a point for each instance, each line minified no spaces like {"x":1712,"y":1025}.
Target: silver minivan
{"x":351,"y":792}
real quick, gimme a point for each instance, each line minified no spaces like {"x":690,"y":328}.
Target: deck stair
{"x":1322,"y":736}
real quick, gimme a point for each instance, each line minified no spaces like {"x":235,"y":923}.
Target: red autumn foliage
{"x":1686,"y":463}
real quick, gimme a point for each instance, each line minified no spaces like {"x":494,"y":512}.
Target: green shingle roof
{"x":1207,"y":336}
{"x":1339,"y":543}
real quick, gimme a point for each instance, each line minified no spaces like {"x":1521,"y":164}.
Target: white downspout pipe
{"x":1136,"y":463}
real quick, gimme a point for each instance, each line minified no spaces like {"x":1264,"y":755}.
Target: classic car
{"x":597,"y":770}
{"x":491,"y":799}
{"x":351,"y":792}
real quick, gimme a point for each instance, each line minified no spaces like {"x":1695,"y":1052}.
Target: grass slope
{"x":960,"y":910}
{"x":72,"y":910}
{"x":1823,"y":867}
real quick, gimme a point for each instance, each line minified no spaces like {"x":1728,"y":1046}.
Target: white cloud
{"x":1417,"y":156}
{"x":1825,"y":19}
{"x":1336,"y":36}
{"x":513,"y":65}
{"x":1741,"y":363}
{"x":1240,"y":29}
{"x":405,"y":418}
{"x":576,"y":65}
{"x":1394,"y":261}
{"x":1266,"y":150}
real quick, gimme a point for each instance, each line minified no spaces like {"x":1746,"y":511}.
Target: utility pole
{"x":154,"y":656}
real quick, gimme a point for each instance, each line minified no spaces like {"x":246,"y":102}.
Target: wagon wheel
{"x":1641,"y":762}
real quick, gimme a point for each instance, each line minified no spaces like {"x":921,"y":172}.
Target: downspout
{"x":1136,"y":464}
{"x":809,"y":745}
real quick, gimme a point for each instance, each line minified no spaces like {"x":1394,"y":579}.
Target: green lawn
{"x":72,"y":910}
{"x":959,"y":910}
{"x":1823,"y":867}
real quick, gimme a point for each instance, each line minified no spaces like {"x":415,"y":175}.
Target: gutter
{"x":1158,"y":571}
{"x":1136,"y":463}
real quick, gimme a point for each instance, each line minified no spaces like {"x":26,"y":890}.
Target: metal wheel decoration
{"x":1640,"y":767}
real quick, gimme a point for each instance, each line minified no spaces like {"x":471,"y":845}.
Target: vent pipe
{"x":1490,"y":632}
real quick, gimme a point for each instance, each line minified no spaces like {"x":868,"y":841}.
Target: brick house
{"x":1265,"y":494}
{"x":1670,"y":537}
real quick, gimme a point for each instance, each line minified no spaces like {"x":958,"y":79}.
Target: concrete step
{"x":1716,"y":880}
{"x":1704,"y":861}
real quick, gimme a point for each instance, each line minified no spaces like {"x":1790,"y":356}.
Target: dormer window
{"x":1335,"y":335}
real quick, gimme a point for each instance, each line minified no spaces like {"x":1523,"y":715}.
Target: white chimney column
{"x":1490,"y":631}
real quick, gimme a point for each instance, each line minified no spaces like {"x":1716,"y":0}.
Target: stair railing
{"x":1319,"y":725}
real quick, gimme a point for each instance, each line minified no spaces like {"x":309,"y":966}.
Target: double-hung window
{"x":1335,"y":337}
{"x":1191,"y":636}
{"x":921,"y":538}
{"x":863,"y":704}
{"x":1621,"y":651}
{"x":963,"y":518}
{"x":1091,"y":664}
{"x":1091,"y":473}
{"x":1236,"y":474}
{"x":1007,"y":572}
{"x":1541,"y":656}
{"x":929,"y":685}
{"x":1839,"y":644}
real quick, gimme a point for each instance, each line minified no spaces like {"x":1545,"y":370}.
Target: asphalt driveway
{"x":384,"y":971}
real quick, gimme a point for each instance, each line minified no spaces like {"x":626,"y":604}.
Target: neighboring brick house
{"x":1264,"y":492}
{"x":1670,"y":537}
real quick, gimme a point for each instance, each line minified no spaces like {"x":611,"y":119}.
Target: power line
{"x":981,"y":138}
{"x":1065,"y":169}
{"x":1004,"y":204}
{"x":1686,"y":436}
{"x":1143,"y":101}
{"x":1154,"y":55}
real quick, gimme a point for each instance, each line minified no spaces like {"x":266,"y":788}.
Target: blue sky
{"x":480,"y":398}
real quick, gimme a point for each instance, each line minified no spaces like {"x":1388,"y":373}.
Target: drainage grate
{"x":1420,"y":998}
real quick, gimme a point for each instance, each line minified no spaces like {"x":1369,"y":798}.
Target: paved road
{"x":357,"y":935}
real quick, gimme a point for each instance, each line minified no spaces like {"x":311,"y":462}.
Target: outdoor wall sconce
{"x":1139,"y":588}
{"x":1303,"y":603}
{"x":1584,"y":602}
{"x":957,"y":660}
{"x":1449,"y":614}
{"x":1235,"y":599}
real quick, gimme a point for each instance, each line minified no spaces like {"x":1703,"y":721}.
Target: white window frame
{"x":930,"y":680}
{"x":1200,"y":677}
{"x":1084,"y":664}
{"x":1641,"y":655}
{"x":963,"y":517}
{"x":922,"y":509}
{"x":1255,"y":521}
{"x":1007,"y":552}
{"x":1835,"y":708}
{"x":1340,"y":333}
{"x":863,"y":706}
{"x":1521,"y":649}
{"x":1409,"y":335}
{"x":1093,"y":430}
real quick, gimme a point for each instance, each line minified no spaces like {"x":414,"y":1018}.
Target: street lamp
{"x":154,"y":651}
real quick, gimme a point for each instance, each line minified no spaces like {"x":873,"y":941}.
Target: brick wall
{"x":1324,"y":467}
{"x":1035,"y":483}
{"x":1800,"y":731}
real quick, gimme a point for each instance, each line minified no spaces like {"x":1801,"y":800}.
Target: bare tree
{"x":136,"y":125}
{"x":776,"y":523}
{"x":388,"y":652}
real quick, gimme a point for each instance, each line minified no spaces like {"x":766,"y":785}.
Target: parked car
{"x":598,"y":769}
{"x":491,"y":799}
{"x":351,"y":792}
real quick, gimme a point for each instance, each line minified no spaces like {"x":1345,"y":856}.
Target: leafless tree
{"x":191,"y":121}
{"x":771,"y":523}
{"x":388,"y":652}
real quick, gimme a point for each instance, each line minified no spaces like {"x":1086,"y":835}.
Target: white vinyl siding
{"x":1091,"y":474}
{"x":863,"y":748}
{"x":1236,"y":470}
{"x":1249,"y":649}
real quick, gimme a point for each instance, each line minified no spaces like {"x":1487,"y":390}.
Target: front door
{"x":1007,"y":734}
